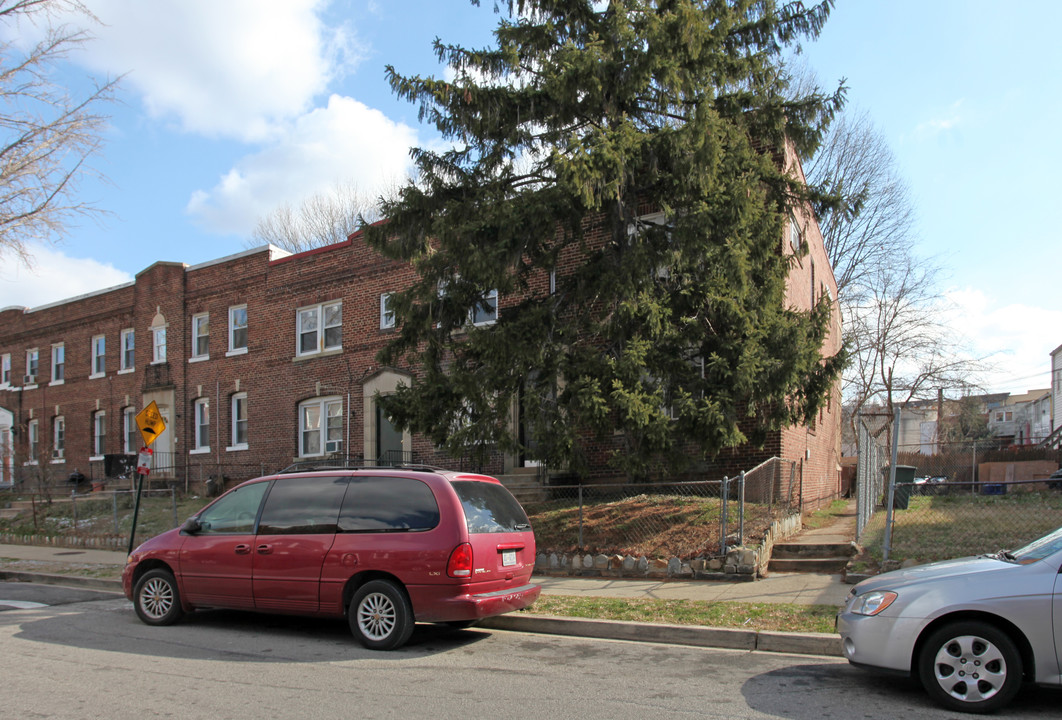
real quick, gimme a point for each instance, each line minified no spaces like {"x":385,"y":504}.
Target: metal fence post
{"x":722,"y":522}
{"x":741,"y":510}
{"x":173,"y":502}
{"x":73,"y":502}
{"x":114,"y":504}
{"x":889,"y":515}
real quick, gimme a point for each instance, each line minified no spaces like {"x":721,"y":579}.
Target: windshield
{"x":1039,"y":549}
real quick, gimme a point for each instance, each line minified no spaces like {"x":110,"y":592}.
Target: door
{"x":7,"y":448}
{"x":388,"y":440}
{"x":216,"y":562}
{"x":295,"y":533}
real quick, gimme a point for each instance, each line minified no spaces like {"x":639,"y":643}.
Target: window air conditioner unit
{"x":29,"y":380}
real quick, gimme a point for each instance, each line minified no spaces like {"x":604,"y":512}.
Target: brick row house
{"x":265,"y":358}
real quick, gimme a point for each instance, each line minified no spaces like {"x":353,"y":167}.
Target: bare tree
{"x":901,"y":349}
{"x":873,"y":226}
{"x":47,"y":135}
{"x":324,"y":218}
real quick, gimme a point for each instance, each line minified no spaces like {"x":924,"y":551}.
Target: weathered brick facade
{"x":270,"y":375}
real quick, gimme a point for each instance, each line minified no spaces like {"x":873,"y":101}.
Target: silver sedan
{"x":971,"y":630}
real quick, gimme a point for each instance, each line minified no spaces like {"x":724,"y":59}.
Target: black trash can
{"x":905,"y":475}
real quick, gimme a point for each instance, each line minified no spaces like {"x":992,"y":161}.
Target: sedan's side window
{"x":303,"y":506}
{"x":233,"y":513}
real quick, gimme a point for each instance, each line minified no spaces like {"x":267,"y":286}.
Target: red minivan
{"x":386,"y":547}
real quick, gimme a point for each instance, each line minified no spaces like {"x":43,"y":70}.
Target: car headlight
{"x":873,"y":602}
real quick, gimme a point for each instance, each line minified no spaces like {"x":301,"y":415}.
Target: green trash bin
{"x":905,"y":475}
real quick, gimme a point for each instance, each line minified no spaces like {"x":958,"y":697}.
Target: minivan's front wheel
{"x":380,"y":615}
{"x":156,"y":598}
{"x":970,"y":666}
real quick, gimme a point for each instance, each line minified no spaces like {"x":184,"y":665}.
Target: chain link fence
{"x":98,"y":519}
{"x":684,"y":520}
{"x":952,"y":499}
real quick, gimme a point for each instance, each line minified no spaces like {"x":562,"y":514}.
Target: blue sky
{"x":230,"y":109}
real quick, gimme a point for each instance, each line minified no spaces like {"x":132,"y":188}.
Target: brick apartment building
{"x":265,"y":358}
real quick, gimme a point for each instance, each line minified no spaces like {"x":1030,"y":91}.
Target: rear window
{"x":388,"y":504}
{"x":490,"y":508}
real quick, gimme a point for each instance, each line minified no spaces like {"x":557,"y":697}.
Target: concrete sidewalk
{"x":779,"y":588}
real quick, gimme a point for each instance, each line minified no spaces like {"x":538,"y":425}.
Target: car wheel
{"x":156,"y":598}
{"x":380,"y":615}
{"x":970,"y":667}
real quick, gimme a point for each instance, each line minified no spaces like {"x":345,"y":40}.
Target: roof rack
{"x":355,"y":464}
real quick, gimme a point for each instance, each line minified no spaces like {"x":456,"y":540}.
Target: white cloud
{"x":343,"y":142}
{"x":55,"y":276}
{"x":231,"y":69}
{"x":1018,"y":338}
{"x":946,"y":122}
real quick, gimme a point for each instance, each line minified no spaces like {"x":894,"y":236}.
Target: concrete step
{"x":812,"y":550}
{"x":820,"y":566}
{"x":10,"y":513}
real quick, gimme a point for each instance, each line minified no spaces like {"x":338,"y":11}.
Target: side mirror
{"x":191,"y":526}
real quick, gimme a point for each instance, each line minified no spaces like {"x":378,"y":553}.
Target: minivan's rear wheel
{"x":380,"y":615}
{"x":156,"y":598}
{"x":970,"y":667}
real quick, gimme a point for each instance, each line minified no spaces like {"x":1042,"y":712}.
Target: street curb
{"x":692,"y":635}
{"x":67,"y":580}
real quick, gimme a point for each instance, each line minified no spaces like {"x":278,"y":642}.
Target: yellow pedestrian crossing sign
{"x":150,"y":422}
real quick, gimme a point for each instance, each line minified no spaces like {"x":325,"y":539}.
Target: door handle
{"x":242,"y":549}
{"x":265,"y":549}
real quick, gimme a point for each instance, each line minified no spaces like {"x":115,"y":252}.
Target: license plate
{"x":508,"y":558}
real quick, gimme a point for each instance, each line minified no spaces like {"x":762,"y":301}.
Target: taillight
{"x":460,"y":563}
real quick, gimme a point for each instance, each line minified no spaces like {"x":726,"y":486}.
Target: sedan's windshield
{"x":1039,"y":549}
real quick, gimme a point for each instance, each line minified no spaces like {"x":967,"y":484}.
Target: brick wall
{"x":274,"y":377}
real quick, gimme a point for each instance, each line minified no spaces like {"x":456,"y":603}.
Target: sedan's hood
{"x":934,"y":571}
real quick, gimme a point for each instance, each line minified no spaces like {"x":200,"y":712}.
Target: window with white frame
{"x":238,"y":329}
{"x":32,"y":360}
{"x":201,"y":336}
{"x":58,"y":362}
{"x":128,"y":350}
{"x":486,"y":310}
{"x":33,"y":439}
{"x":58,"y":437}
{"x":320,"y":328}
{"x":239,"y":421}
{"x":99,"y":355}
{"x":130,"y":431}
{"x":320,"y":426}
{"x":387,"y":314}
{"x":796,"y":235}
{"x":201,"y":416}
{"x":5,"y":369}
{"x":99,"y":433}
{"x":158,"y":345}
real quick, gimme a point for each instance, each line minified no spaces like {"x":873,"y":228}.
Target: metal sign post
{"x":151,"y":425}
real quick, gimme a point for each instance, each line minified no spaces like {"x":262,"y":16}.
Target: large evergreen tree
{"x":634,"y":149}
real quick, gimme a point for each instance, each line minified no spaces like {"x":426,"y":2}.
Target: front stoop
{"x":819,"y":558}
